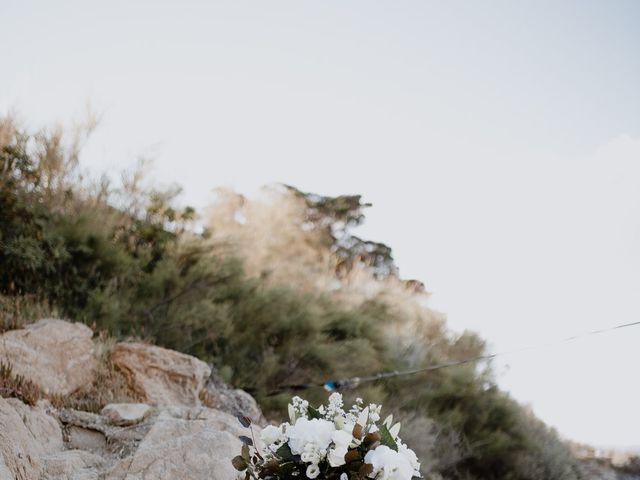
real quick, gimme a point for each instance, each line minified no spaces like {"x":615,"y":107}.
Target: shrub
{"x":16,"y":386}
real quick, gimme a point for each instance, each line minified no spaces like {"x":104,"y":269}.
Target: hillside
{"x":271,"y":292}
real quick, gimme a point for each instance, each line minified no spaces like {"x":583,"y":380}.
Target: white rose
{"x":391,"y":464}
{"x":411,"y":456}
{"x":341,"y":442}
{"x":316,"y":431}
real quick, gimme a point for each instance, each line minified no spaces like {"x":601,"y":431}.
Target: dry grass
{"x":108,"y":386}
{"x":271,"y":237}
{"x":16,"y":386}
{"x":17,"y":311}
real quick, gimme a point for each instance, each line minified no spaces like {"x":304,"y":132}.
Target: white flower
{"x":334,"y":409}
{"x":311,"y":453}
{"x":316,"y":431}
{"x":388,"y":421}
{"x":299,"y":407}
{"x":388,"y":464}
{"x":313,"y":470}
{"x":363,"y":417}
{"x":341,"y":442}
{"x":374,"y":412}
{"x":395,"y":430}
{"x":271,"y":435}
{"x":335,"y":400}
{"x":344,"y":477}
{"x":411,"y":456}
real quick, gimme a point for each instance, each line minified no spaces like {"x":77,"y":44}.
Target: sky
{"x":499,"y":143}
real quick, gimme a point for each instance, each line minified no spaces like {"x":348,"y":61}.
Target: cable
{"x":354,"y":382}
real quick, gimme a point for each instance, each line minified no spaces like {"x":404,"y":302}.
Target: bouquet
{"x":328,"y":443}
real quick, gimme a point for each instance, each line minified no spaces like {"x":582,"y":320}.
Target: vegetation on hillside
{"x":274,"y":291}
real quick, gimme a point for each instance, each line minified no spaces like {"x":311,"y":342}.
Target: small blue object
{"x":330,"y":386}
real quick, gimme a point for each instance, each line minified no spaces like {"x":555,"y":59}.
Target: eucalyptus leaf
{"x":239,"y":463}
{"x":245,"y":453}
{"x":244,"y":421}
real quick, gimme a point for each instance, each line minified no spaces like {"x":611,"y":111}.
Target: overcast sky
{"x":499,"y":142}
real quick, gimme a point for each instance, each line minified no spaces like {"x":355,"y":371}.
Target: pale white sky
{"x":499,"y":142}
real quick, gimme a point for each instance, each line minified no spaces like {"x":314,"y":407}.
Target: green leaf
{"x":387,"y":439}
{"x":246,"y":440}
{"x":313,"y":413}
{"x":284,"y":453}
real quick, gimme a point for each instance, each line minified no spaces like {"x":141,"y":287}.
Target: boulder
{"x":57,"y":356}
{"x":233,"y":401}
{"x":160,"y":376}
{"x":178,"y":448}
{"x":125,"y":414}
{"x":19,"y":452}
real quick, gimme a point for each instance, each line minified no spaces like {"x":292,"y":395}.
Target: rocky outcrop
{"x":57,"y":356}
{"x":20,"y":453}
{"x":43,"y":428}
{"x":171,"y":436}
{"x":200,"y":448}
{"x":73,"y":465}
{"x":231,"y":400}
{"x":194,"y":443}
{"x":161,"y":376}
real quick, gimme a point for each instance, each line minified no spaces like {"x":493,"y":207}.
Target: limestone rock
{"x":86,"y":439}
{"x":124,"y":414}
{"x":57,"y":356}
{"x":19,"y":452}
{"x":43,"y":428}
{"x":73,"y":465}
{"x":177,"y":448}
{"x":161,"y":376}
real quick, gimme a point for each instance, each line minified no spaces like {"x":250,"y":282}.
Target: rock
{"x":54,"y":354}
{"x":233,"y":401}
{"x":124,"y":414}
{"x":73,"y":465}
{"x":44,"y":429}
{"x":177,"y":448}
{"x":161,"y":376}
{"x":19,"y":452}
{"x":86,"y":439}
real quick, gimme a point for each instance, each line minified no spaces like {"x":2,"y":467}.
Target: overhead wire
{"x":354,"y":382}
